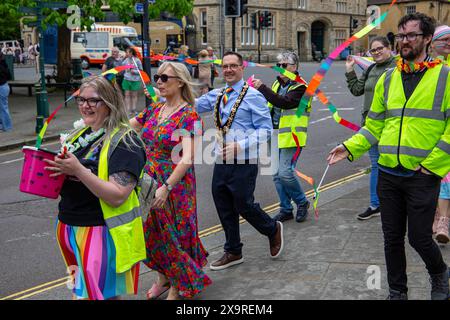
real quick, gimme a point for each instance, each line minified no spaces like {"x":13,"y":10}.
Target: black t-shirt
{"x":4,"y":73}
{"x":78,"y":205}
{"x":410,"y":82}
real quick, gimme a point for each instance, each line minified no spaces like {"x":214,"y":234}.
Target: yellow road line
{"x":34,"y":288}
{"x":43,"y":290}
{"x":275,"y":206}
{"x":202,"y":234}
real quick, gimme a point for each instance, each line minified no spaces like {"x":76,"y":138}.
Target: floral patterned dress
{"x":173,"y":245}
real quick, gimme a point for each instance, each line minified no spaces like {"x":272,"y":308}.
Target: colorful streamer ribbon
{"x":108,"y":74}
{"x":325,"y":66}
{"x":148,"y":88}
{"x":40,"y":136}
{"x":334,"y":112}
{"x":112,"y":73}
{"x":317,"y":192}
{"x":302,"y":175}
{"x":322,"y":98}
{"x":363,"y":62}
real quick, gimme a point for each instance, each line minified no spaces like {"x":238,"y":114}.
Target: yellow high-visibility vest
{"x":289,"y":121}
{"x":409,"y":132}
{"x":124,"y":222}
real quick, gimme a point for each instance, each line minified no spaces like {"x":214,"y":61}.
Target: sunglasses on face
{"x":91,"y":102}
{"x":163,"y":77}
{"x":376,"y":50}
{"x":284,"y":65}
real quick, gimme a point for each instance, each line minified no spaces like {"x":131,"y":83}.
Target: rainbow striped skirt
{"x":90,"y":257}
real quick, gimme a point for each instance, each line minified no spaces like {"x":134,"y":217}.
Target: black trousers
{"x":233,"y":186}
{"x":408,"y":203}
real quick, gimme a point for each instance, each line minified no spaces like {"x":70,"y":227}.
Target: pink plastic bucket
{"x":35,"y":179}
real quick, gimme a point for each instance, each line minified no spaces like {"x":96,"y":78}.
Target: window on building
{"x":301,"y":4}
{"x":340,"y":37}
{"x":78,"y":37}
{"x":341,"y":6}
{"x":410,"y":9}
{"x":248,"y":35}
{"x":268,"y":35}
{"x":203,"y":27}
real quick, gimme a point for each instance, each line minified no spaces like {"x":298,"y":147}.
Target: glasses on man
{"x":91,"y":102}
{"x":230,"y":66}
{"x":376,"y":50}
{"x":284,"y":65}
{"x":163,"y":77}
{"x":408,"y":36}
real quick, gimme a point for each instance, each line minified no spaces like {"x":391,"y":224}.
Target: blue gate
{"x":51,"y":45}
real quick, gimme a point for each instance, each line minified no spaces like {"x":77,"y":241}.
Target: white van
{"x":94,"y":47}
{"x":13,"y":44}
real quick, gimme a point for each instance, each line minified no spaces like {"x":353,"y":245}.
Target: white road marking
{"x":33,"y":236}
{"x":339,"y":109}
{"x":11,"y":161}
{"x":321,"y":119}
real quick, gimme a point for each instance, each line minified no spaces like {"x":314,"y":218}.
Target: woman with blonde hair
{"x":184,"y":54}
{"x":174,"y":248}
{"x":100,"y":241}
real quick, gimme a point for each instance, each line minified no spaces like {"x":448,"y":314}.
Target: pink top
{"x":446,"y":178}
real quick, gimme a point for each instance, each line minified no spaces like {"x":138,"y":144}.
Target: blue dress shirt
{"x":252,"y":124}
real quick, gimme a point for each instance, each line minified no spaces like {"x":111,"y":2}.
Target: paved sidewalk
{"x":323,"y":260}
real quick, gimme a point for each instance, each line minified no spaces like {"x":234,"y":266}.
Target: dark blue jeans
{"x":374,"y":155}
{"x":233,"y":186}
{"x":286,"y":182}
{"x":5,"y":118}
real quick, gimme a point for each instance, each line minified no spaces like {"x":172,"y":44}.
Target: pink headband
{"x":440,"y":32}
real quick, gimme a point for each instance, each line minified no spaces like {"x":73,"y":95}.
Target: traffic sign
{"x":54,"y":5}
{"x":139,"y":8}
{"x":32,"y":24}
{"x":28,"y":10}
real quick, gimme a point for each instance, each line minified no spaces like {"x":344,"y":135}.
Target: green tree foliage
{"x":9,"y":20}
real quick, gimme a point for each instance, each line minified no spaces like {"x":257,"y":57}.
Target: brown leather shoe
{"x":227,"y":260}
{"x":276,"y":242}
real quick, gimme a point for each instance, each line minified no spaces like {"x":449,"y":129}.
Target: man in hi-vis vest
{"x":284,"y":98}
{"x":409,"y":119}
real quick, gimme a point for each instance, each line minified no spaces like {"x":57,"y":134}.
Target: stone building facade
{"x":296,"y":25}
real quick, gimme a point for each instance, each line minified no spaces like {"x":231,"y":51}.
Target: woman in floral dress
{"x":174,"y":248}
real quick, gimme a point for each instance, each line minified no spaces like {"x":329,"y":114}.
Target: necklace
{"x":222,"y":130}
{"x":163,"y":108}
{"x":82,"y":142}
{"x":410,"y":67}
